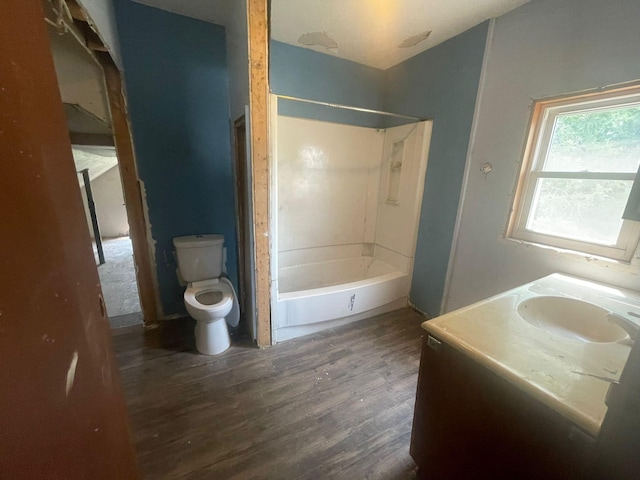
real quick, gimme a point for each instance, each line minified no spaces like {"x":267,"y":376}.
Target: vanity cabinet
{"x":470,"y":423}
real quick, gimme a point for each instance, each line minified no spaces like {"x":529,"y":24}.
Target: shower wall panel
{"x":404,"y":164}
{"x":328,"y":177}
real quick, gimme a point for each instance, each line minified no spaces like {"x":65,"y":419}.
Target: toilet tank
{"x":200,"y":257}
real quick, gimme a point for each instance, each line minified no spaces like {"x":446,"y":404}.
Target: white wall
{"x":328,"y":176}
{"x":545,"y":48}
{"x":332,"y":191}
{"x":397,"y":222}
{"x":80,"y":78}
{"x":109,"y":201}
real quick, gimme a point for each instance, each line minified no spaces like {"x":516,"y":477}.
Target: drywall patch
{"x":318,"y":39}
{"x":415,"y":39}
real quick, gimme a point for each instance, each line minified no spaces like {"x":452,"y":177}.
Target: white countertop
{"x":570,"y":376}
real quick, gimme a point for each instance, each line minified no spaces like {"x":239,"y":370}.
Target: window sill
{"x":631,"y":265}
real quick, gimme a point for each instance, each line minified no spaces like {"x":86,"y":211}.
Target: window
{"x":580,"y":165}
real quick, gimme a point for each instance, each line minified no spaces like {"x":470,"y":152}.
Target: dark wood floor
{"x":333,"y":405}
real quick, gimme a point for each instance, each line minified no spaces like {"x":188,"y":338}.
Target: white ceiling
{"x":365,"y":31}
{"x":371,"y":31}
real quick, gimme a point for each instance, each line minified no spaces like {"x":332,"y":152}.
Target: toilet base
{"x":212,"y":337}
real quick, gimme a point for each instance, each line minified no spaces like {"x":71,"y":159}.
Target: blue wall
{"x":441,"y":83}
{"x":176,"y":81}
{"x":300,"y":72}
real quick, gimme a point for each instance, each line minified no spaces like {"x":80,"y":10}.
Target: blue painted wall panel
{"x":177,"y":89}
{"x":303,"y":73}
{"x":441,"y":83}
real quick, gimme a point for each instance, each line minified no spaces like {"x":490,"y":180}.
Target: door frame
{"x":258,"y":55}
{"x":84,"y":31}
{"x":134,"y":199}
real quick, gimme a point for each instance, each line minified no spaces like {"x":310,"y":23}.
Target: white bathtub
{"x":316,"y":296}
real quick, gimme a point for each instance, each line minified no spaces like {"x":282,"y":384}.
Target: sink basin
{"x":571,"y":318}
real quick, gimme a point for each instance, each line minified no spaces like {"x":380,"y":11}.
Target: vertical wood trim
{"x":132,"y":192}
{"x":258,"y":31}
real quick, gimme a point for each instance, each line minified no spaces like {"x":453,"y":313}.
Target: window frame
{"x":532,"y":170}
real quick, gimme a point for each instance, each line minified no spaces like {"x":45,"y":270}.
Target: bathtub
{"x":316,"y":296}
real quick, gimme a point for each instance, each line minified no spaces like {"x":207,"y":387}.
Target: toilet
{"x":209,"y":298}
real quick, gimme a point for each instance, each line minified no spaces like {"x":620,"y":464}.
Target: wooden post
{"x":132,"y":191}
{"x":258,"y":30}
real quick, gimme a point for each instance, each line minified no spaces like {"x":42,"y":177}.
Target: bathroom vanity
{"x":514,"y":386}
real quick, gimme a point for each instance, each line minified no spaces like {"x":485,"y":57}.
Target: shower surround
{"x":345,"y":205}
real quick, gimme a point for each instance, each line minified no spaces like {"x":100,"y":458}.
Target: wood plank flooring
{"x":333,"y":405}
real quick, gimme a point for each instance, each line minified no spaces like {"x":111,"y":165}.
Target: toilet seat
{"x":200,"y":289}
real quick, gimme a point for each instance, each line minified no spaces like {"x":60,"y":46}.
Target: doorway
{"x":103,"y":199}
{"x":83,"y":75}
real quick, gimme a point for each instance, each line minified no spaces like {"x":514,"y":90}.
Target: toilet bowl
{"x":213,"y":304}
{"x":209,"y":298}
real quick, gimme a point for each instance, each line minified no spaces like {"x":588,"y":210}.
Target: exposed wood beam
{"x":258,"y":31}
{"x":134,"y":202}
